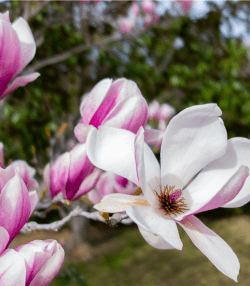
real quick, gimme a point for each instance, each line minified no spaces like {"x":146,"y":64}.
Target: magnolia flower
{"x":33,"y":264}
{"x":16,"y":205}
{"x":126,"y":25}
{"x":195,"y":142}
{"x":110,"y":183}
{"x":118,"y":104}
{"x":17,"y":50}
{"x":185,"y":5}
{"x":148,"y":6}
{"x":72,"y":174}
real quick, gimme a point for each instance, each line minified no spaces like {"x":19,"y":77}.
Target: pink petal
{"x":216,"y":198}
{"x":4,"y":239}
{"x":5,"y":16}
{"x":146,"y":218}
{"x":88,"y":184}
{"x":10,"y":50}
{"x":33,"y":201}
{"x":12,"y":268}
{"x":81,"y":132}
{"x":15,"y":206}
{"x":153,"y":136}
{"x":130,"y":114}
{"x":20,"y":81}
{"x":120,"y":89}
{"x":79,"y":168}
{"x":28,"y":45}
{"x":193,"y":138}
{"x":213,"y":246}
{"x":26,"y":173}
{"x":93,"y":100}
{"x":59,"y":174}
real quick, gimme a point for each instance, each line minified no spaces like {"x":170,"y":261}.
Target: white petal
{"x":193,"y":138}
{"x":119,"y":202}
{"x":112,"y":150}
{"x":211,"y":192}
{"x":213,"y":246}
{"x":145,"y":217}
{"x":154,"y":240}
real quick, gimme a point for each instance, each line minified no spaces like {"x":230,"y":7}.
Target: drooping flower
{"x":118,"y":104}
{"x":72,"y":174}
{"x":17,"y":49}
{"x":195,"y":142}
{"x":33,"y":264}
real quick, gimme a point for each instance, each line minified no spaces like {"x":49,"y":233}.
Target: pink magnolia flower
{"x":135,"y":9}
{"x":72,"y":174}
{"x":16,"y":205}
{"x":26,"y":172}
{"x":17,"y":50}
{"x":110,"y":183}
{"x":33,"y":264}
{"x":195,"y":142}
{"x":148,"y":6}
{"x":118,"y":104}
{"x":126,"y":25}
{"x":185,"y":5}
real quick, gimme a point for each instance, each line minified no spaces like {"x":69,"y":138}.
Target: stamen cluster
{"x":170,"y":203}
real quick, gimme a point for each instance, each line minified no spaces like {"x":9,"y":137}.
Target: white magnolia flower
{"x":195,"y":142}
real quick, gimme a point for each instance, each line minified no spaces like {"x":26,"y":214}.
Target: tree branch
{"x":55,"y":226}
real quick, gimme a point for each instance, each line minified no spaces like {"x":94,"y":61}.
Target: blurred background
{"x":186,"y":57}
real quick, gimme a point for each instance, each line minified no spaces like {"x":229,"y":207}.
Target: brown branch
{"x":65,"y":55}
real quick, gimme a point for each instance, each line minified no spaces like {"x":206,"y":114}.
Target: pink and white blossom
{"x":119,"y":104}
{"x":126,"y":25}
{"x":109,"y":183}
{"x":149,"y":6}
{"x":16,"y":205}
{"x":195,"y":142}
{"x":72,"y":174}
{"x":33,"y":264}
{"x":185,"y":5}
{"x":17,"y":50}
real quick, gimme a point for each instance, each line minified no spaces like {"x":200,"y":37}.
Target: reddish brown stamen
{"x":171,"y":202}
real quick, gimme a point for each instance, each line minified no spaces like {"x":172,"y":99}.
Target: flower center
{"x":171,"y":202}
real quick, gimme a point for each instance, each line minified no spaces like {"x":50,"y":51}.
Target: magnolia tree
{"x":113,"y":167}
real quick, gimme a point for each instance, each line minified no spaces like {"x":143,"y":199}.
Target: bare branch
{"x":65,"y":55}
{"x":55,"y":226}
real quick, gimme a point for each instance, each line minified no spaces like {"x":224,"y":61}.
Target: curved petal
{"x":145,"y":217}
{"x":153,"y":136}
{"x":14,"y":205}
{"x":10,"y":49}
{"x":93,"y":100}
{"x":119,"y":202}
{"x":20,"y":81}
{"x":79,"y":168}
{"x":130,"y":114}
{"x":81,"y":132}
{"x":120,"y":89}
{"x":28,"y":45}
{"x":154,"y":240}
{"x":12,"y":268}
{"x":113,"y":150}
{"x":26,"y":173}
{"x":4,"y":239}
{"x":49,"y":270}
{"x":193,"y":138}
{"x":88,"y":184}
{"x":202,"y":198}
{"x":59,"y":174}
{"x":33,"y":201}
{"x":213,"y":246}
{"x":238,"y":153}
